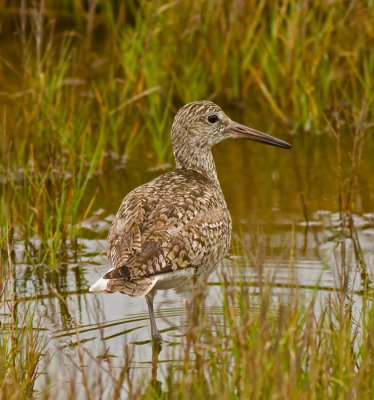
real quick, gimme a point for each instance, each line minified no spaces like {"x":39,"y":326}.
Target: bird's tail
{"x":138,"y":287}
{"x":100,"y":286}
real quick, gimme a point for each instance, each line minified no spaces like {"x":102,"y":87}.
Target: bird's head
{"x":202,"y":124}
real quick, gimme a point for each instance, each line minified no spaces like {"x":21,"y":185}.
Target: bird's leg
{"x":156,"y":336}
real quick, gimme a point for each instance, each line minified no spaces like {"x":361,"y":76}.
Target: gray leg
{"x":156,"y":336}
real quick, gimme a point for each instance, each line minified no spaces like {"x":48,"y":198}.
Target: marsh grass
{"x":267,"y":343}
{"x":286,"y":354}
{"x":22,"y":342}
{"x":90,"y":80}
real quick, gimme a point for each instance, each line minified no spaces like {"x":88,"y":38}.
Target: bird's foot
{"x":157,"y":339}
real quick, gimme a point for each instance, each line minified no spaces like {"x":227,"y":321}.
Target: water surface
{"x":287,"y":235}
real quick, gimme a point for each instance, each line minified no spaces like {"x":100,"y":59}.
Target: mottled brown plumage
{"x":177,"y":225}
{"x":178,"y":220}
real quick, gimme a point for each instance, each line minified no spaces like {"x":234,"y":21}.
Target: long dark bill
{"x":238,"y":131}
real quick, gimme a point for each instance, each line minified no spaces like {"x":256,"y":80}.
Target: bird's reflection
{"x":155,"y":383}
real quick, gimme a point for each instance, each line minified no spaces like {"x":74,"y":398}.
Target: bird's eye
{"x":213,"y":118}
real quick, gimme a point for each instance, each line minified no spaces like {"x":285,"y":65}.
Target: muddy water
{"x":287,"y":231}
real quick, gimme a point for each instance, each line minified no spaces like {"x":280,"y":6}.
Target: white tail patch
{"x":99,"y":286}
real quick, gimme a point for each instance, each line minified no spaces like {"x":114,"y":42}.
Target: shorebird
{"x":178,"y":225}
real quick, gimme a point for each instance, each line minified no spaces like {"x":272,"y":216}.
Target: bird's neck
{"x":198,"y":159}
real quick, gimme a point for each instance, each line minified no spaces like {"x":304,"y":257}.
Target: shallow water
{"x":273,"y":243}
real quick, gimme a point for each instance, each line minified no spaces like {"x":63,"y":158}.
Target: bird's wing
{"x":174,"y":240}
{"x":125,"y":236}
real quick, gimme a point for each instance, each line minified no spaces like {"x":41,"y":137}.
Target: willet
{"x":178,"y":225}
